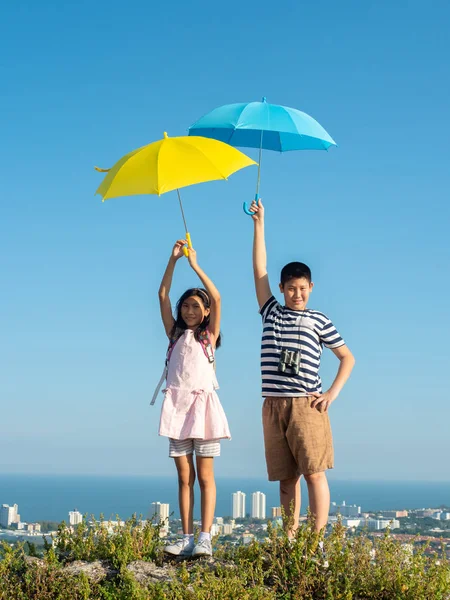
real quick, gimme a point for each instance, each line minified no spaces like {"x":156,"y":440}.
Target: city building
{"x":345,"y":510}
{"x":278,"y":523}
{"x":258,"y":505}
{"x":160,"y":512}
{"x":353,"y":522}
{"x":276,"y":512}
{"x":426,"y":512}
{"x":378,"y":524}
{"x":75,"y":517}
{"x":29,"y":527}
{"x":238,"y":505}
{"x":110,"y":526}
{"x":395,"y":514}
{"x":216,"y":529}
{"x":227,"y":529}
{"x":247,"y":538}
{"x":441,"y":515}
{"x":9,"y":515}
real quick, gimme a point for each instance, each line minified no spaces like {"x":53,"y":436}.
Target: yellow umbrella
{"x":170,"y":164}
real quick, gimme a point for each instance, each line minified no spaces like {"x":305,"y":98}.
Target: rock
{"x":95,"y":571}
{"x":147,"y":572}
{"x":34,"y":561}
{"x":213,"y":564}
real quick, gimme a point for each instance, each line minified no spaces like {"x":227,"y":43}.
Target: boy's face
{"x":296,"y":292}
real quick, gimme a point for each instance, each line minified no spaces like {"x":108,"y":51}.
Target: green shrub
{"x":348,"y":568}
{"x":119,"y":544}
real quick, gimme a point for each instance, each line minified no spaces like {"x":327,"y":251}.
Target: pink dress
{"x":191,"y":407}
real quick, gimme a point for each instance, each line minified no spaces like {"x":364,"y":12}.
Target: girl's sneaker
{"x":182,"y":547}
{"x":203,"y":548}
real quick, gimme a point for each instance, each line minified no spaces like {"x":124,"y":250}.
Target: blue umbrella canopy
{"x":264,"y":126}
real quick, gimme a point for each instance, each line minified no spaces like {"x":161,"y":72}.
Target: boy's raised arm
{"x":262,"y":286}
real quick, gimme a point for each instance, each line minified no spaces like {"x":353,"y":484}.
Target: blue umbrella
{"x":264,"y":126}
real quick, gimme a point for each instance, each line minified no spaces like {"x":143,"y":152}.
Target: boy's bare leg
{"x":290,"y":501}
{"x":319,"y":498}
{"x":186,"y":480}
{"x":205,"y":474}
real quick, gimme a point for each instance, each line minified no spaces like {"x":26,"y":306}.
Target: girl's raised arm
{"x":213,"y":293}
{"x":166,"y":283}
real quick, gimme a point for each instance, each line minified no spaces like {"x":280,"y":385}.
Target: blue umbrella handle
{"x":246,"y":208}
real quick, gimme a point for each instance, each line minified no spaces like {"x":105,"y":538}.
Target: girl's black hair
{"x":179,"y":327}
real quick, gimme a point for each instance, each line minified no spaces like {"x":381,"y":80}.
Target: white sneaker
{"x":182,"y":547}
{"x":203,"y":548}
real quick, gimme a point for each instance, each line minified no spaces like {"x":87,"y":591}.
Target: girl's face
{"x":193,"y":312}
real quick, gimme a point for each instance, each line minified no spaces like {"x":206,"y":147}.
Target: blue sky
{"x":82,"y":344}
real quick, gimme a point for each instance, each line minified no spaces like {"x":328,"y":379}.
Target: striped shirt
{"x":304,"y":331}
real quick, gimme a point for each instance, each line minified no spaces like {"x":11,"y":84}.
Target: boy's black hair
{"x":179,"y":327}
{"x":295,"y":270}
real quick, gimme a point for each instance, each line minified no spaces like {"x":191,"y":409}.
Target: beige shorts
{"x":297,"y":438}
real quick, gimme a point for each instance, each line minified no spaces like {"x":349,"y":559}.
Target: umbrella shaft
{"x":182,"y":211}
{"x":259,"y":165}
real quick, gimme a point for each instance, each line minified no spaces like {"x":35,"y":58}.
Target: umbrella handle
{"x":185,"y":250}
{"x":246,"y":208}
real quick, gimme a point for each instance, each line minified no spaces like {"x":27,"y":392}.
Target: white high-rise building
{"x":238,"y":505}
{"x":75,"y":517}
{"x":9,"y":515}
{"x":258,"y":505}
{"x":160,"y":512}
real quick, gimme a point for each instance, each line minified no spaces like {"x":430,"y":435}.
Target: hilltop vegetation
{"x":126,"y":563}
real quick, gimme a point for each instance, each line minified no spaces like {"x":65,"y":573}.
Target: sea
{"x":51,"y":497}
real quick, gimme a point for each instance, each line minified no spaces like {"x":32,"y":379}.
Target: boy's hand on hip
{"x":322,"y":402}
{"x":258,"y":209}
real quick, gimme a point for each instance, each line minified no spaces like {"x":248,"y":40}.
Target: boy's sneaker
{"x":182,"y":547}
{"x":203,"y":548}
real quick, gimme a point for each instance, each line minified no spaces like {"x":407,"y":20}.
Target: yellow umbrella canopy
{"x":170,"y":164}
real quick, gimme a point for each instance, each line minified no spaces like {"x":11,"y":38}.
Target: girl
{"x":192,"y":416}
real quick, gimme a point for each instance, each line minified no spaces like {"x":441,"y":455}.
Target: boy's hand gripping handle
{"x":246,"y":208}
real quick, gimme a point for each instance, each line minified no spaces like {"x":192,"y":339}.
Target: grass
{"x":356,"y":568}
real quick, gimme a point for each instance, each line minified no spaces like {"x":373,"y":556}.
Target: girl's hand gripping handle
{"x":189,"y":243}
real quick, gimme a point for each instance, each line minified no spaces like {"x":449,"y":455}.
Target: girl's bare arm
{"x":166,"y":283}
{"x":213,"y":293}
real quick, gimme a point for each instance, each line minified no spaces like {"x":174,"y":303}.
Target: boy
{"x":297,"y":433}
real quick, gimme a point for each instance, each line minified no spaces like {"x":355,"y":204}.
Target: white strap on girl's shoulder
{"x":159,"y":386}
